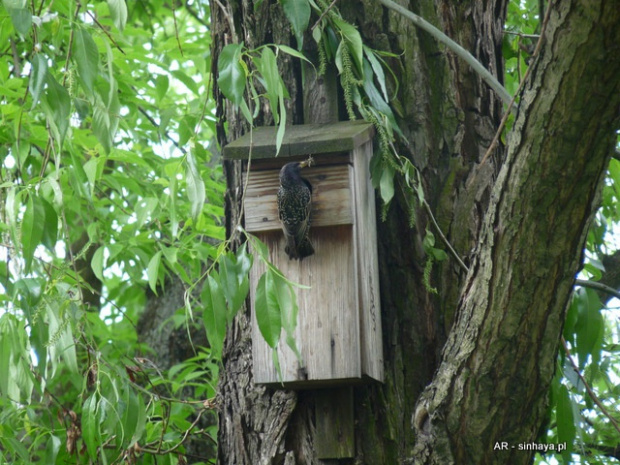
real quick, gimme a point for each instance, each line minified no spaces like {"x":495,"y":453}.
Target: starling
{"x":294,"y":206}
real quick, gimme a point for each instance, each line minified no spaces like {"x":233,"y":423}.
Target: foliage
{"x":110,"y":189}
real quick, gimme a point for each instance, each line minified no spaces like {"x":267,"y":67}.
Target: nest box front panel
{"x":328,"y":327}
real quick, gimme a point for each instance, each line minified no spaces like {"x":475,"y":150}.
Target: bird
{"x":294,"y":207}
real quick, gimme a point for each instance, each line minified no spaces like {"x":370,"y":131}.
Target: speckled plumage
{"x":294,"y":207}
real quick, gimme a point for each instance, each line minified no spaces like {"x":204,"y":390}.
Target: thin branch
{"x":523,"y":36}
{"x":323,"y":15}
{"x":176,"y":29}
{"x":444,"y":238}
{"x":105,"y":31}
{"x":589,"y":390}
{"x":456,"y":48}
{"x":168,"y":136}
{"x":521,"y":84}
{"x":598,"y":286}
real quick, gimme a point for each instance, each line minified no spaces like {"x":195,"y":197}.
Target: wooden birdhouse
{"x":339,"y":323}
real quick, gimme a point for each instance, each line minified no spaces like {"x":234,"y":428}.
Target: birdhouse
{"x":339,"y":322}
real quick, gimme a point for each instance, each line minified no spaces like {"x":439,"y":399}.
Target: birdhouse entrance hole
{"x":339,"y":322}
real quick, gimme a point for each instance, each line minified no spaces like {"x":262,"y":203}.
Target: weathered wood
{"x":301,"y":140}
{"x":328,"y":323}
{"x":367,"y":264}
{"x":331,"y":198}
{"x":335,"y":423}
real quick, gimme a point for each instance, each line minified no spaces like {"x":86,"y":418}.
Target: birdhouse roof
{"x":301,"y":140}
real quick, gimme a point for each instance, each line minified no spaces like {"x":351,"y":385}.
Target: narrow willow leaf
{"x":152,"y":271}
{"x":564,"y":417}
{"x":195,"y":185}
{"x":118,"y":11}
{"x":298,"y":14}
{"x":214,"y":315}
{"x":267,"y":311}
{"x":231,"y":78}
{"x":32,"y":230}
{"x":378,"y":71}
{"x":268,"y":68}
{"x":50,"y":226}
{"x":57,"y":108}
{"x":90,"y":425}
{"x":37,"y":77}
{"x":86,"y":58}
{"x":97,"y":263}
{"x":354,"y":41}
{"x":387,"y":184}
{"x":293,"y":52}
{"x":22,"y":19}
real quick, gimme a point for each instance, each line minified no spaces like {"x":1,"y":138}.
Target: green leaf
{"x":268,"y":69}
{"x":287,"y":302}
{"x":86,"y":58}
{"x":378,"y":71}
{"x":21,"y":18}
{"x":106,"y":114}
{"x":52,"y":449}
{"x":298,"y":14}
{"x":215,"y":313}
{"x":267,"y":310}
{"x":37,"y":77}
{"x":386,"y":185}
{"x":97,"y":263}
{"x":565,"y":420}
{"x":90,"y":424}
{"x":50,"y":226}
{"x":589,"y":326}
{"x":57,"y":108}
{"x":161,"y":86}
{"x":354,"y":41}
{"x":293,"y":52}
{"x":118,"y":11}
{"x":231,"y":79}
{"x":195,"y":185}
{"x":32,"y":229}
{"x":152,"y":271}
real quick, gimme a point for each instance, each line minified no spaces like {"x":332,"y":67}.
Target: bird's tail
{"x":305,"y":249}
{"x":299,"y":252}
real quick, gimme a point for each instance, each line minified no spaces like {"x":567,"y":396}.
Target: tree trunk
{"x":484,"y":342}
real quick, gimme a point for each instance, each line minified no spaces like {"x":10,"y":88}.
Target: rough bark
{"x":500,"y":357}
{"x":449,"y":117}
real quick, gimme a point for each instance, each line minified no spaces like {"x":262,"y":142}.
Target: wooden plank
{"x":301,"y":140}
{"x":331,"y":198}
{"x":335,"y":423}
{"x":328,"y":324}
{"x":367,"y":264}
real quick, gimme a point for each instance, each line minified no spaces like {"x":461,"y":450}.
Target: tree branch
{"x":456,"y":48}
{"x":598,"y":286}
{"x":589,"y":390}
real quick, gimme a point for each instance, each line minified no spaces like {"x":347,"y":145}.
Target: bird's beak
{"x":305,"y":163}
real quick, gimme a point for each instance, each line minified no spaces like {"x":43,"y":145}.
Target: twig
{"x":323,"y":15}
{"x":589,"y":390}
{"x":168,"y":136}
{"x":521,"y":84}
{"x":520,"y":34}
{"x":229,"y":19}
{"x":444,"y":238}
{"x":456,"y":48}
{"x":176,"y":29}
{"x":598,"y":286}
{"x":105,"y":31}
